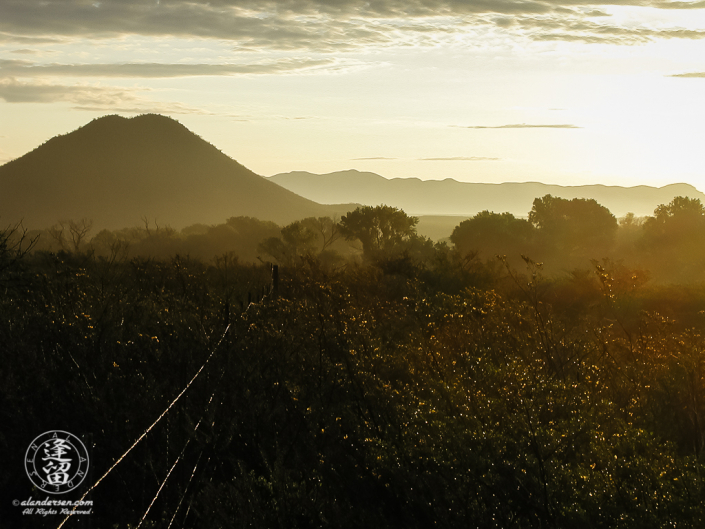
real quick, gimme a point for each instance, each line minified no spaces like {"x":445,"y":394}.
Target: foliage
{"x":681,"y":215}
{"x":672,"y":241}
{"x":423,"y":386}
{"x":298,"y":240}
{"x":373,"y":396}
{"x":493,"y":234}
{"x":380,"y":229}
{"x":677,"y":224}
{"x":573,"y":225}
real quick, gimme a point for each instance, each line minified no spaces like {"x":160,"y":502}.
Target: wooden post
{"x":275,"y":280}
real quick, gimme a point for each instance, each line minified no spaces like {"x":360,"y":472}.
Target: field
{"x":391,"y":392}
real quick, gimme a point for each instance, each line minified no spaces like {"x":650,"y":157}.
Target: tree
{"x":493,"y":233}
{"x":240,"y":235}
{"x":300,"y":237}
{"x":380,"y":229}
{"x":14,"y":245}
{"x":682,"y":218}
{"x":326,"y":229}
{"x":297,"y":240}
{"x":673,"y":240}
{"x":631,"y":221}
{"x":77,"y":231}
{"x":571,"y":226}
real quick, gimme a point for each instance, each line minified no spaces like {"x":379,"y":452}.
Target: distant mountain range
{"x":117,"y":171}
{"x":450,"y":197}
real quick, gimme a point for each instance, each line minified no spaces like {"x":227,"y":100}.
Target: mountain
{"x":116,"y":171}
{"x":450,"y":197}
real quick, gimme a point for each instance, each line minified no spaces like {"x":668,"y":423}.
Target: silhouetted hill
{"x":116,"y":171}
{"x":450,"y":197}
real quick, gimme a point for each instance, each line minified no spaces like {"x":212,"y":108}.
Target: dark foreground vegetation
{"x":418,"y":386}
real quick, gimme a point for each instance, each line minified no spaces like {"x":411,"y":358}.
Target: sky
{"x":566,"y":92}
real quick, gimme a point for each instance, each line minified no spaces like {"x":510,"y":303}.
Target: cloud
{"x":679,"y":5}
{"x":628,"y":36}
{"x":19,"y":68}
{"x":327,"y":26}
{"x":13,"y":91}
{"x":23,"y":39}
{"x":574,"y":26}
{"x":460,"y":158}
{"x":89,"y":97}
{"x":524,"y":126}
{"x":693,"y":75}
{"x":273,"y":25}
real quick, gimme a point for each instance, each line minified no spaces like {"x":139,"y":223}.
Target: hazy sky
{"x":559,"y":91}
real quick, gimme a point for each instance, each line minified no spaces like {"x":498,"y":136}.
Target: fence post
{"x":275,"y":280}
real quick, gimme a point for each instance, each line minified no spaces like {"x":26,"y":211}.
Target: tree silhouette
{"x":493,"y":233}
{"x":297,"y":240}
{"x":326,"y":228}
{"x":14,"y":245}
{"x":673,"y":239}
{"x":378,"y":228}
{"x":681,"y":218}
{"x":573,"y":226}
{"x":77,"y":232}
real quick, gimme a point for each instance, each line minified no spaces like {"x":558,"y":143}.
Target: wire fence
{"x":256,"y":296}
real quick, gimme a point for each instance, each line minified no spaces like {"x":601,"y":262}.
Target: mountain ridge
{"x":454,"y":198}
{"x":118,"y":171}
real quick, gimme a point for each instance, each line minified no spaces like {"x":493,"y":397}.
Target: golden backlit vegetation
{"x":404,"y":384}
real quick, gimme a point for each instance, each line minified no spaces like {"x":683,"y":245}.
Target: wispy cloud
{"x":89,"y":97}
{"x":13,"y":91}
{"x":25,"y":51}
{"x":679,"y":5}
{"x":20,"y":68}
{"x":525,"y":126}
{"x":325,"y":26}
{"x":13,"y":37}
{"x":578,"y":30}
{"x":250,"y":25}
{"x":460,"y":159}
{"x":692,"y":75}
